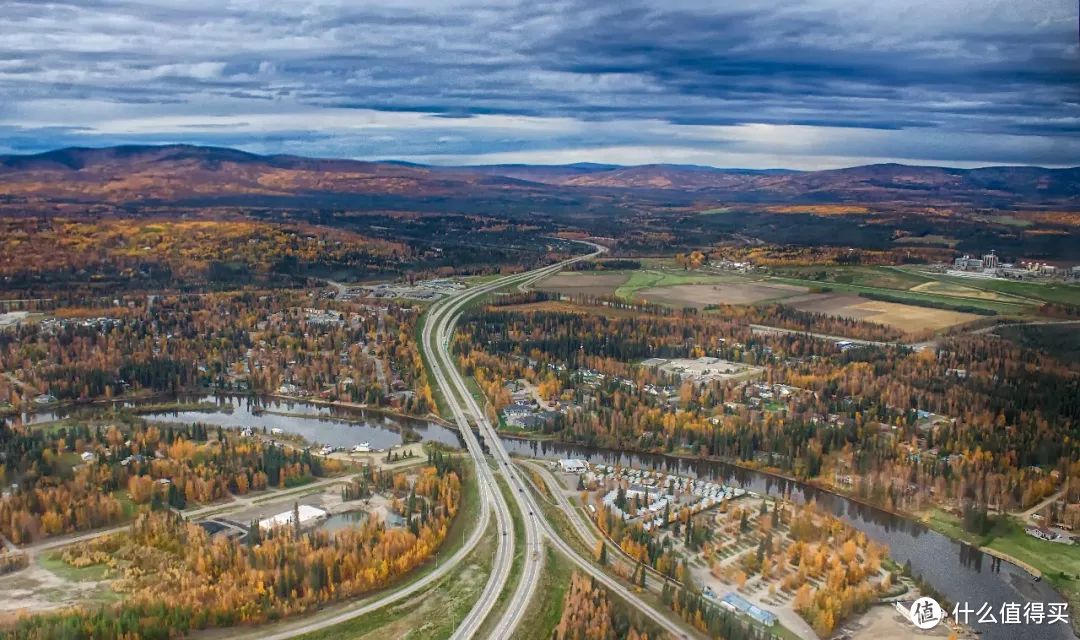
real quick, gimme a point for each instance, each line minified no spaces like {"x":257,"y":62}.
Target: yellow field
{"x":907,"y":318}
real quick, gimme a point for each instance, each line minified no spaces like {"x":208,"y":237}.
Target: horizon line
{"x":429,"y":163}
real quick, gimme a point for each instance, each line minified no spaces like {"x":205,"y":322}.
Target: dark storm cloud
{"x":797,"y":83}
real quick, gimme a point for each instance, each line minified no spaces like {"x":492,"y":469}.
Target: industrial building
{"x":735,"y":602}
{"x":307,"y":513}
{"x":574,"y":466}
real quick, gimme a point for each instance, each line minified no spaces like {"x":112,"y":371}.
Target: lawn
{"x":1058,"y":563}
{"x":126,"y":505}
{"x":948,"y":524}
{"x":55,"y":563}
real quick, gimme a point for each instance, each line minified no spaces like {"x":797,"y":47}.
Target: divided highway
{"x":435,"y":337}
{"x":438,"y":329}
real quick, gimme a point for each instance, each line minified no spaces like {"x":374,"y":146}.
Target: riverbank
{"x":68,"y":405}
{"x":1007,"y":540}
{"x":819,"y":486}
{"x":142,"y":402}
{"x":953,"y":567}
{"x":741,"y":464}
{"x":357,"y":406}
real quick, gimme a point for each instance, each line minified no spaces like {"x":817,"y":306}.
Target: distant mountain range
{"x":178,"y":174}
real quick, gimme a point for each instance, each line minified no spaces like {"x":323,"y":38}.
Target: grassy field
{"x":174,"y":407}
{"x":915,"y":297}
{"x":1011,"y":294}
{"x":648,"y":279}
{"x":913,"y":285}
{"x":126,"y":505}
{"x":1058,"y":563}
{"x":904,"y":283}
{"x":54,"y":563}
{"x":1011,"y":221}
{"x":881,"y":277}
{"x":1037,"y":292}
{"x":948,"y":524}
{"x":929,"y":239}
{"x":589,"y":283}
{"x":1018,"y":290}
{"x":546,"y":610}
{"x":962,"y":291}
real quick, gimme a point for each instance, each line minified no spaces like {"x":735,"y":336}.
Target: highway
{"x":438,"y":330}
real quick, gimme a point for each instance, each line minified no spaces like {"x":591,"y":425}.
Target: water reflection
{"x":334,"y":426}
{"x":960,"y":572}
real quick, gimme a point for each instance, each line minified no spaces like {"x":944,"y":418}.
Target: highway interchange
{"x":438,"y":329}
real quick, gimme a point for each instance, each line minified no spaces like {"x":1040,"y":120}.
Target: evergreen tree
{"x":296,"y":519}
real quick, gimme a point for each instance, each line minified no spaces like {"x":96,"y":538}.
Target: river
{"x":316,"y":423}
{"x":960,"y":572}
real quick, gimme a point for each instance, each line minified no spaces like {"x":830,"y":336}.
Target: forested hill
{"x":132,"y":175}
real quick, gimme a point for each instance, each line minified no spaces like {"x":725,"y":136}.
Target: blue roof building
{"x":735,"y":602}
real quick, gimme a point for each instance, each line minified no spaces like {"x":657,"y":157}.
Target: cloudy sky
{"x":786,"y":83}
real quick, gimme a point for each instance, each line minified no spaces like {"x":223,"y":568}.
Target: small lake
{"x":322,"y":424}
{"x":960,"y":572}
